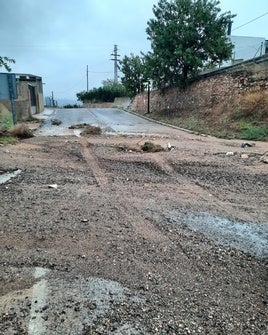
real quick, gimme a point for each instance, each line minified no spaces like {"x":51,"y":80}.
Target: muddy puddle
{"x":84,"y":301}
{"x":8,"y":175}
{"x":248,"y":237}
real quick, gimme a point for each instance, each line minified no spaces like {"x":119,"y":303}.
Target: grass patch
{"x":6,"y":120}
{"x":250,"y":132}
{"x":5,"y":140}
{"x":248,"y":122}
{"x":254,"y":105}
{"x":192,"y":122}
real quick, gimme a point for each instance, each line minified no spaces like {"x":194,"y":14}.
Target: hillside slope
{"x":230,"y":103}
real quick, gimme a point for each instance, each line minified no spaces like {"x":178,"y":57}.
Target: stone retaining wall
{"x":222,"y":91}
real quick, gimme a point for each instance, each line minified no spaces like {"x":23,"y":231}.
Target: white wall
{"x":246,"y":47}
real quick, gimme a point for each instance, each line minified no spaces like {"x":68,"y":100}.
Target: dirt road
{"x":98,"y":238}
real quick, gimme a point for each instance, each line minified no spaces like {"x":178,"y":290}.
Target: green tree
{"x":107,"y":93}
{"x":186,"y":36}
{"x":4,"y":62}
{"x":135,"y":74}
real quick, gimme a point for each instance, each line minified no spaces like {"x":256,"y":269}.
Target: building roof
{"x":27,"y":76}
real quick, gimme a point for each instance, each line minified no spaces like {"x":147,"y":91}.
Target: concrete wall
{"x":222,"y":91}
{"x":23,"y":103}
{"x":22,"y":108}
{"x":246,"y":47}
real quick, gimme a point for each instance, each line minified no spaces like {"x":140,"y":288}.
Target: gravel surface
{"x":99,"y":240}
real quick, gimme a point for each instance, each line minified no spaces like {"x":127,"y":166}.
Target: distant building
{"x":26,"y":97}
{"x":246,"y":47}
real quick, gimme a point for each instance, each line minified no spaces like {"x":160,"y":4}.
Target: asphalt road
{"x":108,"y":119}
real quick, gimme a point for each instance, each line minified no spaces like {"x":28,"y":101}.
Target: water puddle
{"x":40,"y":272}
{"x":39,"y":297}
{"x":84,"y":301}
{"x":56,"y":304}
{"x":77,"y":132}
{"x":8,"y":175}
{"x":248,"y":237}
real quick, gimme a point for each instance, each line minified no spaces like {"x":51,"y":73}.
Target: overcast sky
{"x":57,"y":39}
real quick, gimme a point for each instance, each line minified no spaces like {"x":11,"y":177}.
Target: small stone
{"x":54,"y":186}
{"x":264,"y":158}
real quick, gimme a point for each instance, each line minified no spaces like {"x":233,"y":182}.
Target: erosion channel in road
{"x":99,"y":237}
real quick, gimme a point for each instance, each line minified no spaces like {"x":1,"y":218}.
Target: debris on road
{"x":170,"y":147}
{"x":79,"y":126}
{"x":246,"y":144}
{"x":56,"y":122}
{"x":125,"y":148}
{"x":21,"y":131}
{"x":229,"y":153}
{"x":151,"y":147}
{"x":264,"y":158}
{"x":54,"y":186}
{"x":90,"y":130}
{"x":6,"y":176}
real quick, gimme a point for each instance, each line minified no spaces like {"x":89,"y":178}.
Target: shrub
{"x":254,"y":133}
{"x":254,"y":105}
{"x":5,"y":118}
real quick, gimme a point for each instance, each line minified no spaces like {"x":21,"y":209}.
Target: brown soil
{"x":119,"y":262}
{"x":21,"y":131}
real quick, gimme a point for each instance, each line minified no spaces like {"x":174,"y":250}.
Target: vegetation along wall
{"x":219,"y":102}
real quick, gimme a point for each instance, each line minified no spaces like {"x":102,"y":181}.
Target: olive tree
{"x":186,"y":36}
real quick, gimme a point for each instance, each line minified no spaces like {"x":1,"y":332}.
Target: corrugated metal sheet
{"x":8,"y":87}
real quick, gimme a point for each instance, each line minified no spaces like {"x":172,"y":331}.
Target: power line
{"x":100,"y":72}
{"x":250,"y":21}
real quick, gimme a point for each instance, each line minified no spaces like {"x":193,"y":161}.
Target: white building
{"x":245,"y":48}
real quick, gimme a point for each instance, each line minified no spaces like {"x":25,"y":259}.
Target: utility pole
{"x":12,"y":96}
{"x":87,"y":78}
{"x":148,"y":98}
{"x":52,"y":99}
{"x":115,"y":59}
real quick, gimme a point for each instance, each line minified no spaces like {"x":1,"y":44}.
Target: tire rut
{"x":93,"y":162}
